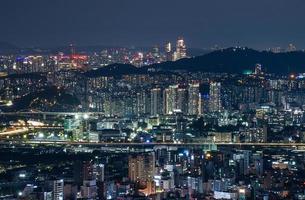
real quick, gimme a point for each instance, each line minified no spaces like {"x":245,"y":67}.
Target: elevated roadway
{"x":133,"y":144}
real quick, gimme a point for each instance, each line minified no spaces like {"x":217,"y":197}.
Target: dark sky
{"x":203,"y":23}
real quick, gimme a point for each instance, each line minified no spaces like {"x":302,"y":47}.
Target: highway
{"x":14,"y":132}
{"x":31,"y":127}
{"x":133,"y":144}
{"x":51,"y":113}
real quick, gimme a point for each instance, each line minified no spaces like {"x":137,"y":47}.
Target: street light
{"x":86,"y":116}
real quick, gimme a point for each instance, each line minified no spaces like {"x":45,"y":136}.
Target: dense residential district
{"x":120,"y":123}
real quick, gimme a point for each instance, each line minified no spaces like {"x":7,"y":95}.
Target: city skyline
{"x":152,"y":100}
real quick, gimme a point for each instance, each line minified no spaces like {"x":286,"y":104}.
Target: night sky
{"x":203,"y":23}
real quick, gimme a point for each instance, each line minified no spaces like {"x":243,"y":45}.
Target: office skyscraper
{"x":156,"y":52}
{"x":168,"y":51}
{"x":180,"y":49}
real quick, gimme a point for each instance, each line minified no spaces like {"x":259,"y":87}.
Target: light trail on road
{"x":14,"y":132}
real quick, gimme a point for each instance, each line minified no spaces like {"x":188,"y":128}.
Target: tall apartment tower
{"x":170,"y":99}
{"x":141,"y":168}
{"x":58,"y":189}
{"x":156,"y":106}
{"x":215,"y":97}
{"x":193,"y":99}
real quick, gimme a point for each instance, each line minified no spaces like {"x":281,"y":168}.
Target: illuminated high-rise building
{"x":30,"y":64}
{"x":258,"y":69}
{"x":168,"y":51}
{"x":193,"y":99}
{"x":156,"y":52}
{"x":88,"y":190}
{"x":180,"y":49}
{"x":182,"y":100}
{"x":291,"y":48}
{"x":58,"y":189}
{"x":142,"y":103}
{"x":141,"y":167}
{"x":175,"y":57}
{"x":168,"y":47}
{"x":156,"y":102}
{"x":215,"y":97}
{"x":88,"y":170}
{"x":170,"y":94}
